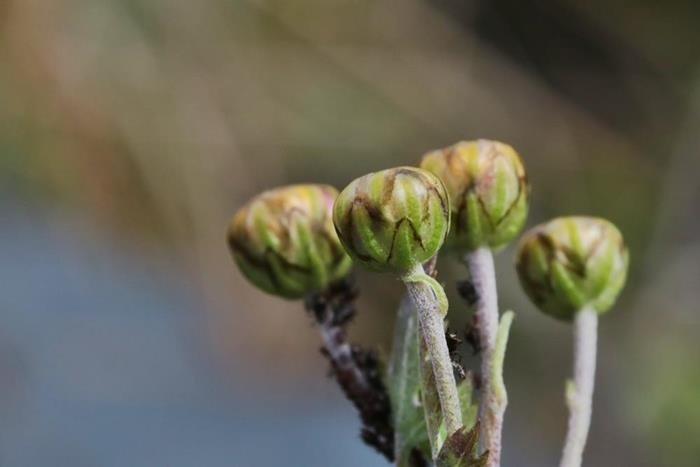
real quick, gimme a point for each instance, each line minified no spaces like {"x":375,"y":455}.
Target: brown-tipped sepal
{"x":572,"y":262}
{"x":393,"y":220}
{"x":284,"y":242}
{"x":488,"y":189}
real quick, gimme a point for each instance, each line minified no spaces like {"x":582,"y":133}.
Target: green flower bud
{"x":488,"y":190}
{"x":284,"y":242}
{"x":393,"y":220}
{"x":571,"y":262}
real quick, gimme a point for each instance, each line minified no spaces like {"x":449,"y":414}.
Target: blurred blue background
{"x":105,"y":363}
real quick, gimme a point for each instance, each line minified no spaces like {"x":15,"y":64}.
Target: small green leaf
{"x":436,"y":430}
{"x":405,"y":386}
{"x":502,"y":334}
{"x":469,"y":408}
{"x":431,"y":402}
{"x":469,"y":413}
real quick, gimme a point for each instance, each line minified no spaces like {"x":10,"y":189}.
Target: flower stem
{"x":428,"y":298}
{"x":579,"y":392}
{"x":493,"y":397}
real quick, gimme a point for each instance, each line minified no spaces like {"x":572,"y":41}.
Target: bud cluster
{"x":301,"y":241}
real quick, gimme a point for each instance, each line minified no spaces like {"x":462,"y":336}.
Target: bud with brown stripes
{"x":572,"y":262}
{"x":488,"y":190}
{"x":393,"y":220}
{"x":283,"y":241}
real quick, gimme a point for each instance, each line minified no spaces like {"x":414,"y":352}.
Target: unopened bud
{"x":572,"y":262}
{"x":284,"y":241}
{"x":393,"y":220}
{"x":488,"y":192}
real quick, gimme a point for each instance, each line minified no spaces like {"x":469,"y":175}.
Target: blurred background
{"x":131,"y":130}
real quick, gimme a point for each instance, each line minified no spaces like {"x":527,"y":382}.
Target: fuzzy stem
{"x":493,"y":398}
{"x":432,"y":327}
{"x":579,"y":392}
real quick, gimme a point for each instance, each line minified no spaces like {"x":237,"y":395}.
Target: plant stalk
{"x":579,"y":392}
{"x":494,"y":399}
{"x":356,"y":370}
{"x":340,"y":353}
{"x":432,"y":329}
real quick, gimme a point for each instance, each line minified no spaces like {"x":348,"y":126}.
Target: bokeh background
{"x":130,"y":131}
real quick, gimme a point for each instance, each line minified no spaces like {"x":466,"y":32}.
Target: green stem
{"x":493,"y":396}
{"x":429,"y":299}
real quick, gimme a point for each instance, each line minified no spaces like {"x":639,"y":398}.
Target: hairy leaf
{"x":405,"y":386}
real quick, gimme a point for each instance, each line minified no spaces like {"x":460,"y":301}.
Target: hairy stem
{"x":493,"y":398}
{"x":427,"y":301}
{"x":579,"y":392}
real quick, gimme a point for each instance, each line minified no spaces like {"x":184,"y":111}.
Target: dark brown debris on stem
{"x":466,"y":290}
{"x":357,"y":371}
{"x":453,"y":344}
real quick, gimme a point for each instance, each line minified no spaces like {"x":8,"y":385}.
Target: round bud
{"x":572,"y":262}
{"x":284,"y":242}
{"x":488,"y":191}
{"x":393,"y":220}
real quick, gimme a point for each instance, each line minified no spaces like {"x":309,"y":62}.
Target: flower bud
{"x":572,"y":262}
{"x":284,"y":242}
{"x":488,"y":192}
{"x":393,"y":220}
